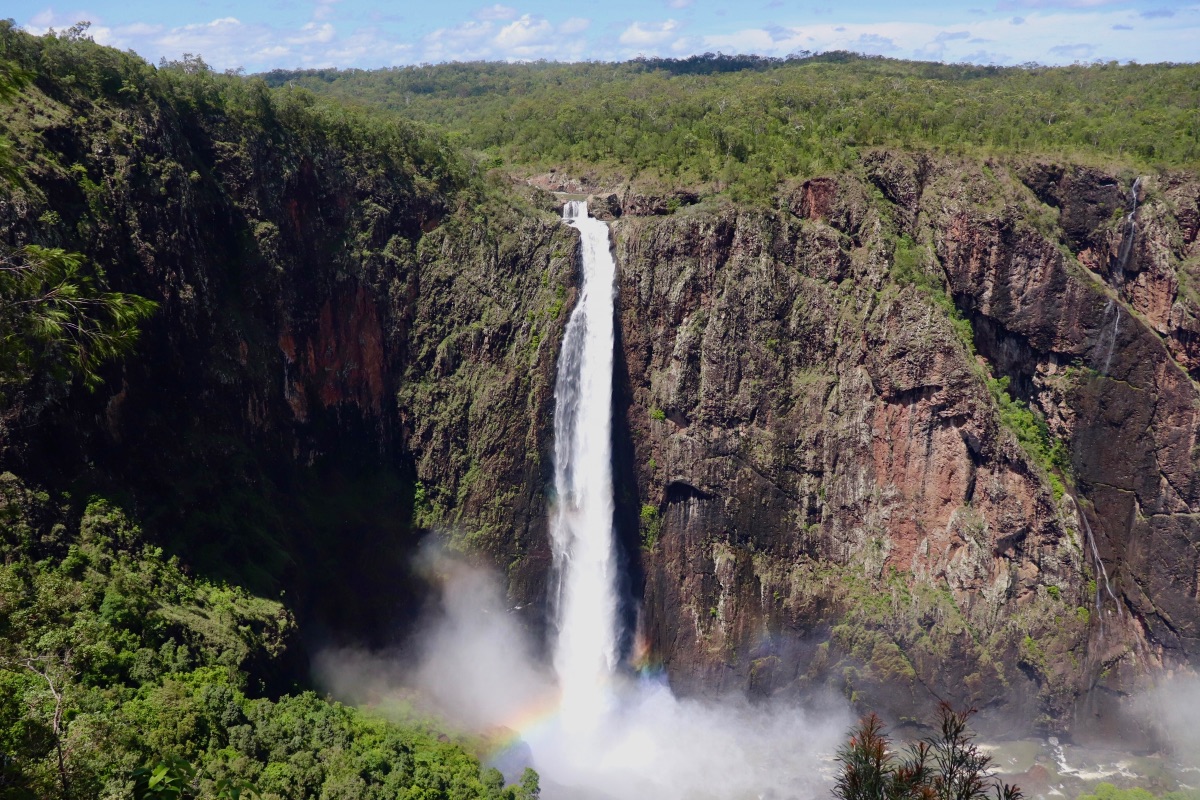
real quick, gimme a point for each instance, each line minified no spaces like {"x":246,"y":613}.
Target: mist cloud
{"x":475,"y":666}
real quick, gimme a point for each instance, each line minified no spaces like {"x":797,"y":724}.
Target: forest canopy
{"x":748,"y":121}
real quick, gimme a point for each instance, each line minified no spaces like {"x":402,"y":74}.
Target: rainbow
{"x":538,"y":719}
{"x":534,"y":720}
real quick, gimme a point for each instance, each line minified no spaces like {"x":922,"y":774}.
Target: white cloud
{"x":1078,"y":52}
{"x":526,"y":38}
{"x":574,"y":25}
{"x":204,"y":36}
{"x":496,"y":12}
{"x":679,"y":3}
{"x":312,"y":32}
{"x":324,"y":9}
{"x":1094,"y":30}
{"x":524,"y":32}
{"x":41,"y":21}
{"x":274,"y":51}
{"x":1039,"y":38}
{"x":141,"y":29}
{"x":648,"y":34}
{"x":1009,"y":4}
{"x":751,"y":40}
{"x":462,"y":42}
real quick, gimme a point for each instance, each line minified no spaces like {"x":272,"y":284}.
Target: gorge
{"x":913,"y":422}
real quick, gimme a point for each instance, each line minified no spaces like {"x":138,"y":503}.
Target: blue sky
{"x":368,"y":33}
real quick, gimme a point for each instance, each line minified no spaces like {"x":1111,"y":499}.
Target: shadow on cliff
{"x":198,"y":446}
{"x":626,"y":494}
{"x":332,"y":540}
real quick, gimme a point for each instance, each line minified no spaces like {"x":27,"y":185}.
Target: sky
{"x":258,"y":36}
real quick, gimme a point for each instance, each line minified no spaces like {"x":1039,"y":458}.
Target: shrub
{"x":651,"y":525}
{"x":948,"y":766}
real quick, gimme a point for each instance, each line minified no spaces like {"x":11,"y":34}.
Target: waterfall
{"x":1126,"y":249}
{"x":613,"y":732}
{"x":581,"y":524}
{"x":1099,"y":562}
{"x":1112,"y":342}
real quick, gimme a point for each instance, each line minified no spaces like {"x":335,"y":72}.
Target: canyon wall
{"x":826,"y":488}
{"x":356,"y":338}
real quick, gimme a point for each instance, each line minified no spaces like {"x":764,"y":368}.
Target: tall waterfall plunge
{"x":585,"y":655}
{"x":616,"y":735}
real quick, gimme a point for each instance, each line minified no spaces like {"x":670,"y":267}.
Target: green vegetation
{"x":948,"y":766}
{"x":135,"y":658}
{"x":12,"y":80}
{"x":743,"y":123}
{"x":116,"y":666}
{"x":1031,"y":431}
{"x":651,"y":525}
{"x":914,"y":265}
{"x":657,"y":414}
{"x":1106,"y":791}
{"x":52,"y":317}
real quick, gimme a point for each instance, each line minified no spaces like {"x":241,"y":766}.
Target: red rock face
{"x":342,"y":362}
{"x":827,"y":440}
{"x":817,"y":199}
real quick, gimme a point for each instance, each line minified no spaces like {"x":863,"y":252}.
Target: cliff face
{"x":830,"y":493}
{"x":355,"y":337}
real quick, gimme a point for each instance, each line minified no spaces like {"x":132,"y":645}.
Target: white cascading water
{"x":585,"y":655}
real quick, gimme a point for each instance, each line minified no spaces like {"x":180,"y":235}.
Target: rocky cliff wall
{"x":827,"y":487}
{"x":356,"y":339}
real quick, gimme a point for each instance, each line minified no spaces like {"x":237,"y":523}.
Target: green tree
{"x":12,"y":80}
{"x":52,"y":315}
{"x":948,"y":766}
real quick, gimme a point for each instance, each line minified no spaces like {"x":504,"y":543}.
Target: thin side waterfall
{"x":1091,"y":538}
{"x":1127,"y":240}
{"x":1112,"y":342}
{"x":586,"y":650}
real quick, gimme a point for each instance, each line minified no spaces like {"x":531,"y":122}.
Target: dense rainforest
{"x":906,"y":391}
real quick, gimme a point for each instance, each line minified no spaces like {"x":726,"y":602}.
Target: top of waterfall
{"x":575,"y":209}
